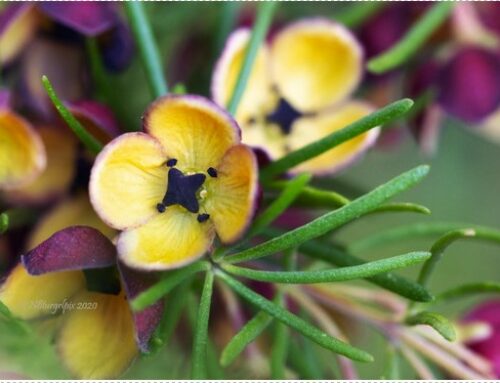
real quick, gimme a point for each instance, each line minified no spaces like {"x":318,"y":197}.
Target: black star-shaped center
{"x":181,"y":190}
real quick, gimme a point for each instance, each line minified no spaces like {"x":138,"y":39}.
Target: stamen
{"x":161,"y":208}
{"x":212,"y":172}
{"x":203,"y":194}
{"x":172,"y":162}
{"x":203,"y":217}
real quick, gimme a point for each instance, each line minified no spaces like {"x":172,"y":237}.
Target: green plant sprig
{"x":365,"y":270}
{"x":88,"y":139}
{"x":437,"y":321}
{"x":148,"y":49}
{"x":334,"y":219}
{"x":413,"y":40}
{"x":468,"y":289}
{"x":380,"y":117}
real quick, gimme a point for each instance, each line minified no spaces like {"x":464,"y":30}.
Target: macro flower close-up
{"x":236,"y":190}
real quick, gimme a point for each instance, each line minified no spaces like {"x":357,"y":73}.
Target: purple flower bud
{"x":469,"y":84}
{"x":117,"y":47}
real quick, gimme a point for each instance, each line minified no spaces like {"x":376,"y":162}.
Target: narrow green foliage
{"x":229,"y":15}
{"x":391,"y":370}
{"x":199,"y":358}
{"x":264,"y":16}
{"x":442,"y":325}
{"x":99,"y":75}
{"x":468,"y":289}
{"x":358,"y":13}
{"x":334,"y":219}
{"x":88,"y":139}
{"x":176,"y":301}
{"x":380,"y":117}
{"x":148,"y":49}
{"x":248,"y":333}
{"x":279,"y":351}
{"x":168,"y":282}
{"x":330,"y":253}
{"x":413,"y":40}
{"x":295,"y":322}
{"x":290,"y":191}
{"x":4,"y":222}
{"x":402,"y":207}
{"x":331,"y":275}
{"x":304,"y":359}
{"x":446,"y":240}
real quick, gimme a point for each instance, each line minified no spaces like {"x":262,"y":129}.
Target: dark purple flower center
{"x":284,"y":116}
{"x":184,"y":190}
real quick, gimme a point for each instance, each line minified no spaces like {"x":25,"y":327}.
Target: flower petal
{"x":192,"y":130}
{"x":18,"y":23}
{"x":266,"y":136}
{"x":22,"y":155}
{"x":231,"y":196}
{"x":55,"y":180}
{"x":117,"y":47}
{"x":97,"y":342}
{"x":30,"y":297}
{"x":73,"y":248}
{"x":86,"y":17}
{"x":169,"y":240}
{"x":97,"y":118}
{"x":315,"y":63}
{"x":128,"y":180}
{"x":469,"y":84}
{"x":148,"y":319}
{"x":308,"y":129}
{"x":71,"y":212}
{"x":258,"y":99}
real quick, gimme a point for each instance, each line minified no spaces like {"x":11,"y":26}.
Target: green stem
{"x":413,"y":40}
{"x":169,"y":281}
{"x":295,"y":322}
{"x":358,"y":13}
{"x":147,"y":46}
{"x":334,"y":219}
{"x":469,"y":289}
{"x":262,"y":23}
{"x":199,"y":359}
{"x":99,"y":74}
{"x":88,"y":139}
{"x":378,"y":118}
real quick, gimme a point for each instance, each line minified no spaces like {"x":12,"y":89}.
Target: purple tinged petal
{"x":469,"y":84}
{"x":489,"y":13}
{"x":73,"y":248}
{"x":5,"y":99}
{"x":89,"y":18}
{"x":117,"y":48}
{"x":148,"y":319}
{"x":96,"y":117}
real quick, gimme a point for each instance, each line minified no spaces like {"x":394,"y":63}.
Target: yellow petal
{"x":29,"y":297}
{"x":315,"y":63}
{"x":22,"y":155}
{"x":96,"y":340}
{"x":259,"y":99}
{"x":71,"y":212}
{"x":61,"y":148}
{"x":265,"y":136}
{"x":169,"y":240}
{"x":19,"y":30}
{"x":192,"y":130}
{"x":231,"y":196}
{"x":128,"y":179}
{"x":308,"y":129}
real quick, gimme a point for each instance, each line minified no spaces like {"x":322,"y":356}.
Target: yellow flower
{"x":171,"y":188}
{"x":298,"y":91}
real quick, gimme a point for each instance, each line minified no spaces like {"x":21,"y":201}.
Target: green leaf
{"x":148,"y":49}
{"x":332,"y":220}
{"x":413,"y":40}
{"x":199,"y":357}
{"x":263,"y":20}
{"x":446,"y":240}
{"x":248,"y":333}
{"x":88,"y":139}
{"x":331,"y":275}
{"x":330,"y":253}
{"x":378,"y":118}
{"x":358,"y":13}
{"x":295,"y":322}
{"x":469,"y":289}
{"x":402,"y":207}
{"x":442,"y":325}
{"x":290,"y":191}
{"x":169,"y":281}
{"x":279,"y":351}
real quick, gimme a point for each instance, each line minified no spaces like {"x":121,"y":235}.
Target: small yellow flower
{"x":298,"y":91}
{"x":171,"y":188}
